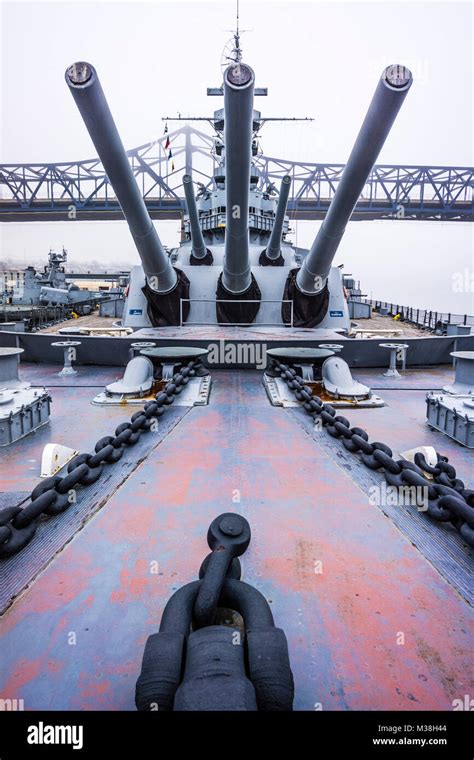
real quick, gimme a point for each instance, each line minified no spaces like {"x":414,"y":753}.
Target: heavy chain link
{"x":205,"y":656}
{"x":228,"y":537}
{"x":448,"y":498}
{"x":56,"y":494}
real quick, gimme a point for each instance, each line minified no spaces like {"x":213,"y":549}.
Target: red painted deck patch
{"x":370,"y":623}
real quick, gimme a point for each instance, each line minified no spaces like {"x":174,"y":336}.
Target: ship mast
{"x":237,"y":49}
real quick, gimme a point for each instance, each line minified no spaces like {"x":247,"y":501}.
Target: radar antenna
{"x":232,"y":52}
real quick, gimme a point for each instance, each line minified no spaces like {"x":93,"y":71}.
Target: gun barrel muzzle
{"x":85,"y":87}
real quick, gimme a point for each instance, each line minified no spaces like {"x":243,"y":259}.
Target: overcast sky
{"x":317,"y":59}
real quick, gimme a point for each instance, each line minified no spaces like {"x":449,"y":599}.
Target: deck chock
{"x":136,"y":382}
{"x":54,"y":458}
{"x":152,"y":368}
{"x":217,"y":647}
{"x":429,"y":454}
{"x":326,"y":373}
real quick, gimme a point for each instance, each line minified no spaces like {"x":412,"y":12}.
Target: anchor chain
{"x":448,"y":498}
{"x":192,"y":663}
{"x":55,"y":495}
{"x":228,"y":537}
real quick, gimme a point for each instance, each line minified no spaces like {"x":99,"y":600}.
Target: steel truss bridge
{"x":80,"y":189}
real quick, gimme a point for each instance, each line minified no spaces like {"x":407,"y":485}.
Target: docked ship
{"x":50,"y":287}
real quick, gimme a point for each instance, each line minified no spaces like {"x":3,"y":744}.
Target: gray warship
{"x":49,"y":287}
{"x":238,"y":363}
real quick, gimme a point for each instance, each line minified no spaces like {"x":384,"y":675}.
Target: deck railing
{"x":428,"y":320}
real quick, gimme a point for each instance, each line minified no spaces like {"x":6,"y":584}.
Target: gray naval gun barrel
{"x":311,"y":279}
{"x":200,"y":254}
{"x":161,"y":277}
{"x":272,"y":253}
{"x":237,"y":282}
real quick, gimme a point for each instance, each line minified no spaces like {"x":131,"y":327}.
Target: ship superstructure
{"x":29,"y":287}
{"x":237,"y":268}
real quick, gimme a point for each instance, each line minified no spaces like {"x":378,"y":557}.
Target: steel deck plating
{"x":74,"y":639}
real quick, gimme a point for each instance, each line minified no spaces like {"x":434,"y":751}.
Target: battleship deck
{"x":377,"y":322}
{"x":380,"y":627}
